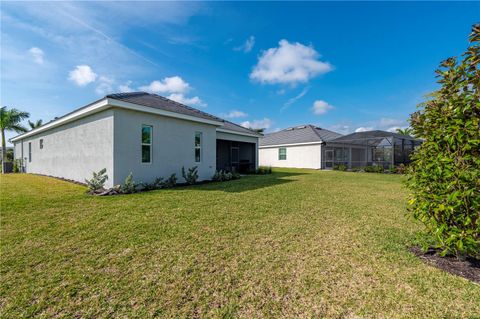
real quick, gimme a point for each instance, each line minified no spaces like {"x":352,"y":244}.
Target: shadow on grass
{"x":247,"y":183}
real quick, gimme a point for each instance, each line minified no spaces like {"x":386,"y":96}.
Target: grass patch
{"x":296,"y":243}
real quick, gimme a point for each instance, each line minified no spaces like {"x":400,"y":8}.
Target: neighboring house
{"x":298,"y":146}
{"x":146,"y":134}
{"x":308,"y":146}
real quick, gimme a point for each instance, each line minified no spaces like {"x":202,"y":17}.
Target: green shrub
{"x":97,"y":182}
{"x":392,"y":169}
{"x":401,"y":169}
{"x":340,"y":167}
{"x":191,"y":176}
{"x":129,"y":186}
{"x":221,"y":176}
{"x":356,"y":169}
{"x":444,"y":177}
{"x":374,"y":169}
{"x":16,"y":166}
{"x":156,"y":184}
{"x":264,"y":170}
{"x":170,"y":182}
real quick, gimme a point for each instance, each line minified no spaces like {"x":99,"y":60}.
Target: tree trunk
{"x":4,"y":151}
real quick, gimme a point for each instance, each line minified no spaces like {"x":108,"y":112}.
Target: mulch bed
{"x":468,"y":268}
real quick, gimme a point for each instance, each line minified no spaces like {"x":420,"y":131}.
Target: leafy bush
{"x":444,"y":177}
{"x":392,"y":169}
{"x":170,"y":182}
{"x":221,"y":176}
{"x":156,"y":184}
{"x":340,"y":167}
{"x":129,"y":186}
{"x":374,"y":169}
{"x":401,"y":169}
{"x":16,"y":166}
{"x":98,"y":180}
{"x":264,"y":170}
{"x":356,"y":169}
{"x":191,"y":176}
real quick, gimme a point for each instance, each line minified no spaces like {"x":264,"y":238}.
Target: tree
{"x":10,"y":121}
{"x":444,"y":178}
{"x":34,"y":125}
{"x":406,"y":131}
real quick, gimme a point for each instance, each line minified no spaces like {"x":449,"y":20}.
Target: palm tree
{"x":34,"y":125}
{"x":406,"y":131}
{"x":10,"y":121}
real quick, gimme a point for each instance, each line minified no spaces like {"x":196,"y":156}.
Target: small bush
{"x":16,"y":166}
{"x":374,"y":169}
{"x":356,"y":169}
{"x":264,"y":170}
{"x":340,"y":167}
{"x":97,"y":182}
{"x":129,"y":186}
{"x":170,"y":182}
{"x":392,"y":169}
{"x":401,"y":169}
{"x":191,"y":176}
{"x":156,"y":184}
{"x":221,"y":176}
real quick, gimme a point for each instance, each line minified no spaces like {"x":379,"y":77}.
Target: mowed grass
{"x":294,"y":244}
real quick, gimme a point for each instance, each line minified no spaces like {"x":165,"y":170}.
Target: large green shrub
{"x":444,"y":178}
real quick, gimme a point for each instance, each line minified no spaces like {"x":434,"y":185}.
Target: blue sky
{"x":344,"y":66}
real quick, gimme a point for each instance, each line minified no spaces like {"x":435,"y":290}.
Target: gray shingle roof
{"x":237,"y":128}
{"x":299,"y":134}
{"x":160,"y":102}
{"x":370,"y":135}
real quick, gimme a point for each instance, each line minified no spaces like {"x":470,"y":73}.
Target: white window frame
{"x":146,"y":144}
{"x":282,"y":159}
{"x":195,"y":147}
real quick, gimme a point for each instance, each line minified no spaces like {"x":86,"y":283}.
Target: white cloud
{"x":234,"y":114}
{"x":289,"y":63}
{"x":295,"y":98}
{"x":37,"y":55}
{"x":258,"y":124}
{"x":174,"y":84}
{"x":386,"y":122}
{"x":125,"y":88}
{"x":363,"y":129}
{"x":82,"y":75}
{"x":247,"y":46}
{"x":321,"y":107}
{"x":191,"y":101}
{"x":105,"y":85}
{"x":394,"y":128}
{"x":176,"y":87}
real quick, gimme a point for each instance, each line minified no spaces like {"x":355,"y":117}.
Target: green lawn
{"x":296,"y":243}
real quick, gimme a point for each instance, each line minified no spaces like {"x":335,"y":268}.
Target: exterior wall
{"x":299,"y":156}
{"x":72,"y":151}
{"x":173,"y":146}
{"x":241,"y":138}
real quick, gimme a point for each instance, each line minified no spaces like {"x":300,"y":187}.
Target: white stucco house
{"x":309,"y":146}
{"x":146,"y":134}
{"x":297,"y":147}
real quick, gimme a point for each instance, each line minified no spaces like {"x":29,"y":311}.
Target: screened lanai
{"x":372,"y":148}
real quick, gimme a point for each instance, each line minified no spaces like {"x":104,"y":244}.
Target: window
{"x":282,"y":154}
{"x":146,"y":144}
{"x":41,"y":143}
{"x":198,"y":147}
{"x":29,"y":151}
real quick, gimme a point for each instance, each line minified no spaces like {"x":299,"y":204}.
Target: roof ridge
{"x":246,"y":128}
